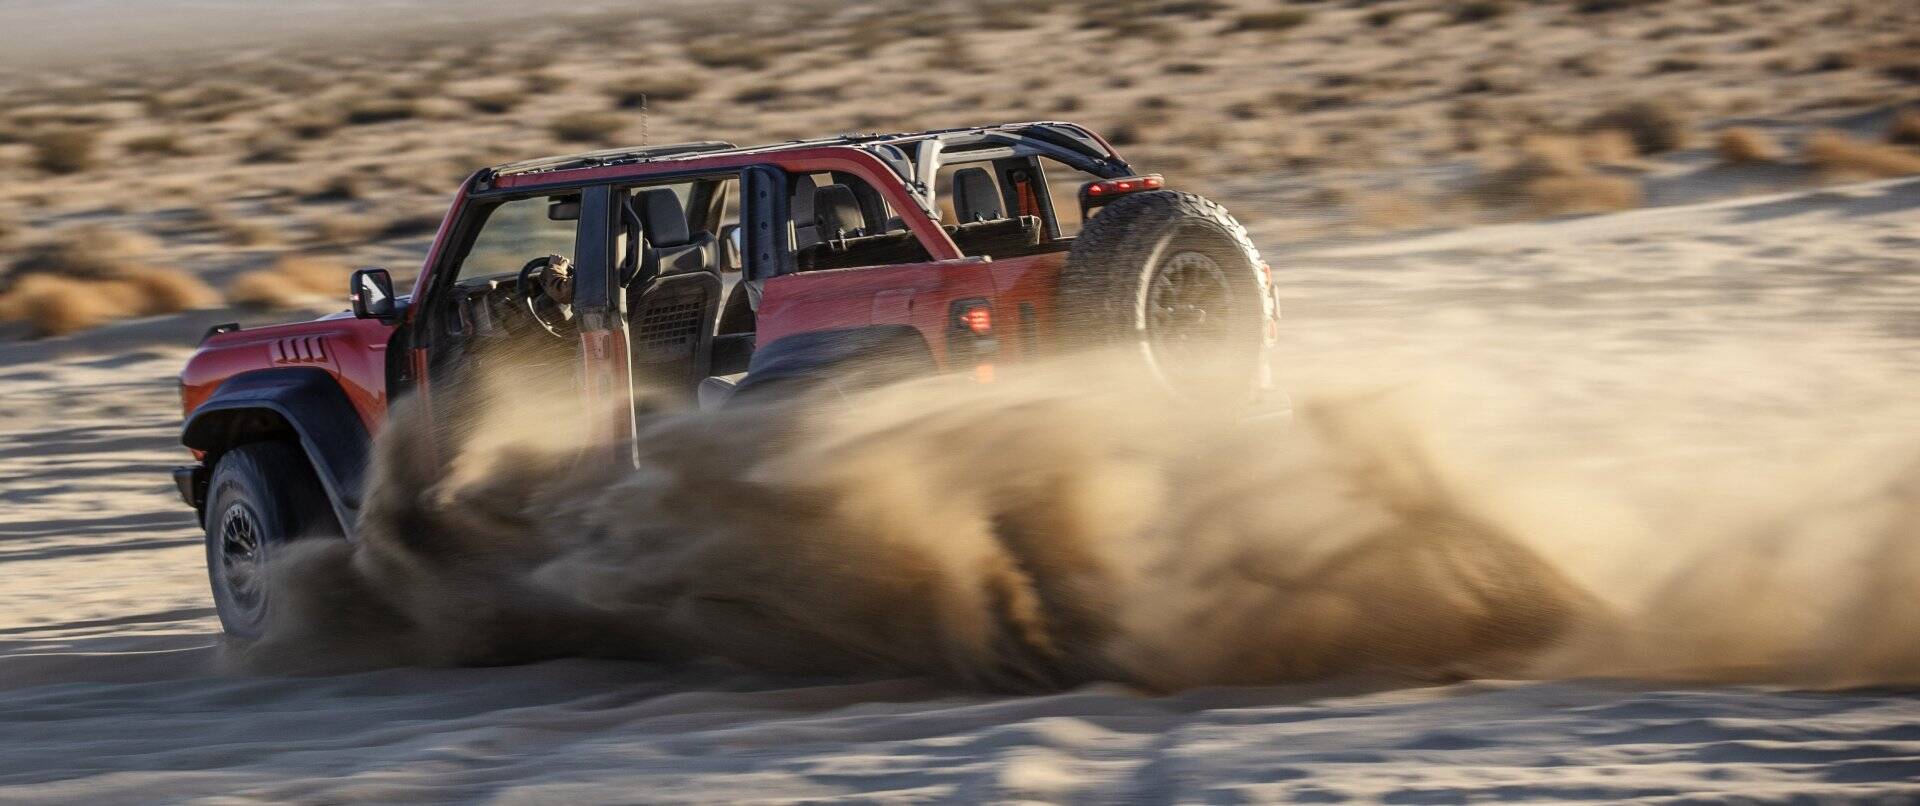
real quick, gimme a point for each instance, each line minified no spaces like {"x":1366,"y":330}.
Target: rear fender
{"x":299,"y":404}
{"x":846,"y":357}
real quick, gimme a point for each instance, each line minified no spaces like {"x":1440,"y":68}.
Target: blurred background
{"x":178,"y":155}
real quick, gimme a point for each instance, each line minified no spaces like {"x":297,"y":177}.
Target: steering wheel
{"x":534,"y":296}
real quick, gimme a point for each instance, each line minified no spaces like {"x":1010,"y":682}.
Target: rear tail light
{"x":1094,"y":194}
{"x":970,"y":337}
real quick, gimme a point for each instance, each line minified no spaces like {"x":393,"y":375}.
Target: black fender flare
{"x":299,"y":404}
{"x":869,"y":355}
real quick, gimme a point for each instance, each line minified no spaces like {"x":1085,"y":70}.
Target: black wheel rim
{"x":1189,"y":310}
{"x":242,"y":560}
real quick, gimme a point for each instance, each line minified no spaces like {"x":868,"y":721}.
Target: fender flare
{"x":305,"y":404}
{"x":883,"y":352}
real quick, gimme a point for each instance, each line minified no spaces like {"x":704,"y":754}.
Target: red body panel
{"x":353,"y":351}
{"x":921,"y":295}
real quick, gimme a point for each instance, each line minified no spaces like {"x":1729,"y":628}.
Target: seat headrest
{"x":837,"y":213}
{"x":664,"y":218}
{"x":800,"y":204}
{"x":975,"y":197}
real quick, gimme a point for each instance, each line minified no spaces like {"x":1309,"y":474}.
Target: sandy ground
{"x":110,"y":689}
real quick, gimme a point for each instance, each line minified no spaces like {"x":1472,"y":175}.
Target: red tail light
{"x":1094,"y":194}
{"x":978,"y":320}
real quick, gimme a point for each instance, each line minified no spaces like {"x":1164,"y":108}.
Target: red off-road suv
{"x":720,"y":273}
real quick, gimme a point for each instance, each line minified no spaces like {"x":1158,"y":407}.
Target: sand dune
{"x":112,"y":688}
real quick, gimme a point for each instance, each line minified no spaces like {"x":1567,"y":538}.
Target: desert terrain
{"x":1641,"y":280}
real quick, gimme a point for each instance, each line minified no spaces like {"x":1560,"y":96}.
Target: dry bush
{"x":380,"y":110}
{"x":85,"y":253}
{"x":1836,"y":153}
{"x":1741,"y":145}
{"x":1905,"y":129}
{"x":1269,"y":20}
{"x":64,"y":151}
{"x":542,"y":82}
{"x":1552,"y":175}
{"x":268,"y":147}
{"x":91,"y":276}
{"x":634,"y":91}
{"x":587,"y":127}
{"x":313,"y":124}
{"x":495,"y":102}
{"x":722,"y":53}
{"x":249,"y":232}
{"x":344,"y":230}
{"x":158,"y":144}
{"x":52,"y":305}
{"x":1656,"y":126}
{"x":1392,"y":211}
{"x":1590,"y":193}
{"x":292,"y":282}
{"x":758,"y":94}
{"x":1479,"y":10}
{"x":343,"y":186}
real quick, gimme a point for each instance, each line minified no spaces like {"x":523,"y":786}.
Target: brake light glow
{"x":979,"y":320}
{"x":1122,"y":186}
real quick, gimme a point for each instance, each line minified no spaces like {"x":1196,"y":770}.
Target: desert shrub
{"x":268,"y":146}
{"x":380,"y":110}
{"x":1382,"y":17}
{"x":64,"y":151}
{"x":52,"y":305}
{"x":1677,"y":64}
{"x":587,"y":127}
{"x":1479,"y":10}
{"x":86,"y":253}
{"x":343,"y":186}
{"x":91,"y":276}
{"x":1392,"y":211}
{"x":1589,"y":193}
{"x":1836,"y":153}
{"x":723,"y":53}
{"x":249,"y":232}
{"x":313,"y":124}
{"x":1552,"y":175}
{"x":158,"y":144}
{"x":291,"y":282}
{"x":1741,"y":145}
{"x":1905,"y":129}
{"x":411,"y":225}
{"x":345,"y":230}
{"x":1281,"y":20}
{"x":1655,"y":126}
{"x":1604,"y":6}
{"x":632,"y":91}
{"x":759,"y":93}
{"x":496,"y":102}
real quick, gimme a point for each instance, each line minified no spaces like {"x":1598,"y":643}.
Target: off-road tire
{"x":1107,"y":286}
{"x":264,"y":493}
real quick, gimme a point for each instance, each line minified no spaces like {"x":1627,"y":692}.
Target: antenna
{"x":643,"y":119}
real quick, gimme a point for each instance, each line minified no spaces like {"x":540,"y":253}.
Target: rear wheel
{"x":1174,"y":278}
{"x":261,"y":497}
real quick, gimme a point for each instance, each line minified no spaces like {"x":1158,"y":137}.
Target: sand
{"x":112,"y":690}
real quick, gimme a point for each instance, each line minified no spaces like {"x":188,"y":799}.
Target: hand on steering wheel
{"x":553,"y":290}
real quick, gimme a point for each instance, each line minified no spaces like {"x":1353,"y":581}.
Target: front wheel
{"x":261,"y":497}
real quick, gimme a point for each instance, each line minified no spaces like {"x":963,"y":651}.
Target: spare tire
{"x":1172,"y":277}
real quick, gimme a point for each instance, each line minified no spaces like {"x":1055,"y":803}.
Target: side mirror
{"x":731,"y":247}
{"x":371,"y":292}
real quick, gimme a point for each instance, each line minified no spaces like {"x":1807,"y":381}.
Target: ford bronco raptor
{"x":720,"y":273}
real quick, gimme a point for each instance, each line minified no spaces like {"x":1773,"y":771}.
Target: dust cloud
{"x":1066,"y":525}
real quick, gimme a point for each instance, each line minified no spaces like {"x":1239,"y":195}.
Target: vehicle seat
{"x":836,"y":214}
{"x":975,"y":197}
{"x":984,"y":228}
{"x":670,"y":314}
{"x":800,"y":207}
{"x":677,"y":250}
